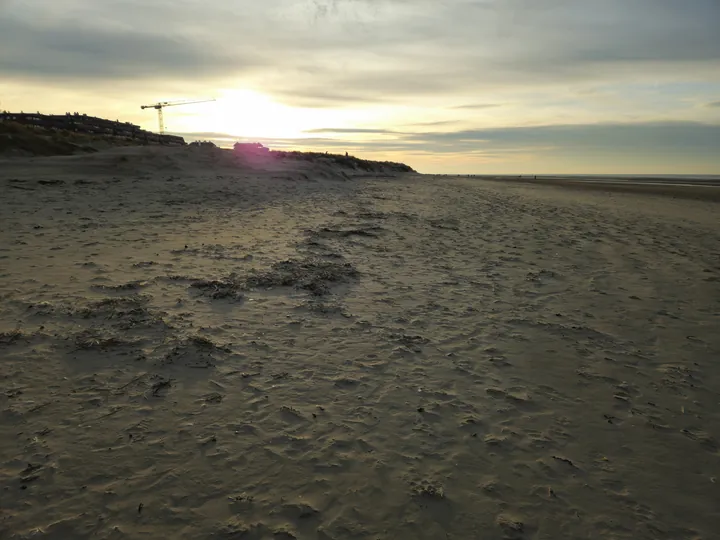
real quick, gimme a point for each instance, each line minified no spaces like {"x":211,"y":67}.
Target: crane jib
{"x":162,"y":104}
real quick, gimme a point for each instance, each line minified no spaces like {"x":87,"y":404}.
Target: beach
{"x":192,"y":349}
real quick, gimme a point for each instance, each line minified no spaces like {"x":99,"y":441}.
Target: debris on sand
{"x":310,"y":274}
{"x":126,"y":311}
{"x":92,"y":340}
{"x":427,"y":489}
{"x":129,"y":286}
{"x":228,"y":288}
{"x":109,"y":307}
{"x":511,"y":526}
{"x":8,"y":338}
{"x":205,"y":343}
{"x":313,"y":275}
{"x":159,"y":385}
{"x":195,"y":352}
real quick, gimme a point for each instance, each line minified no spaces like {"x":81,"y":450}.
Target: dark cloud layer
{"x":343,"y":52}
{"x":640,"y":139}
{"x":85,"y":53}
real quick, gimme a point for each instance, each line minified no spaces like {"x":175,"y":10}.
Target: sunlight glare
{"x":247,"y":113}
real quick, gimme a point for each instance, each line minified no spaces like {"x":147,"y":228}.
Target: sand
{"x":192,"y":350}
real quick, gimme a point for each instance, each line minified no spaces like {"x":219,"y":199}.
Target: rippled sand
{"x":192,"y":351}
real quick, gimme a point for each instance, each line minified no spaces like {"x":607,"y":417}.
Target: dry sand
{"x":194,"y":351}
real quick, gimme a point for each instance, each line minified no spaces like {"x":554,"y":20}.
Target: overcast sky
{"x":565,"y":86}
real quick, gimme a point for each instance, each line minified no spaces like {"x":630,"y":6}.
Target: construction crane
{"x":162,"y":104}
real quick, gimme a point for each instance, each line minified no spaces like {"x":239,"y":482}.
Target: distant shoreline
{"x":685,"y":187}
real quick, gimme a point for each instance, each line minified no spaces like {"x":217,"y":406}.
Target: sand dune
{"x":196,"y":350}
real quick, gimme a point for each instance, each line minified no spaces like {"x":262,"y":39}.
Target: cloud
{"x":713,"y":104}
{"x":77,"y":52}
{"x":350,"y":130}
{"x":338,"y":53}
{"x":207,"y":135}
{"x":478,"y":106}
{"x":436,"y":123}
{"x":641,"y":139}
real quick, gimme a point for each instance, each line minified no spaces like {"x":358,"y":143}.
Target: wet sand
{"x":694,"y":188}
{"x":195,"y":351}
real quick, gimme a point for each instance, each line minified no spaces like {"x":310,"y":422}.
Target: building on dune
{"x":90,"y":125}
{"x":250,"y":149}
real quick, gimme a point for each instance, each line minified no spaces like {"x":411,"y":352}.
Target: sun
{"x":251,"y":114}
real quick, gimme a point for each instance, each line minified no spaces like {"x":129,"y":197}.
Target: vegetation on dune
{"x":17,"y":139}
{"x":22,"y":140}
{"x":345,"y":161}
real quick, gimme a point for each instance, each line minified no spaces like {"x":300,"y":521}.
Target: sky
{"x":463,"y":86}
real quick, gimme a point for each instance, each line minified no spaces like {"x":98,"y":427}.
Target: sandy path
{"x":508,"y":362}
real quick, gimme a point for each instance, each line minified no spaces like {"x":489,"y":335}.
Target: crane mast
{"x":160,"y":105}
